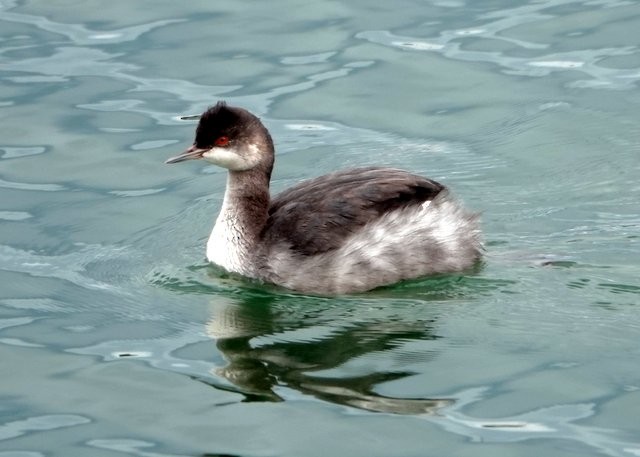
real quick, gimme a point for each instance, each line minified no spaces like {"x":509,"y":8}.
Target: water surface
{"x":117,"y":339}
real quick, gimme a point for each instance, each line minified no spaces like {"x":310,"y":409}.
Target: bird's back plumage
{"x":317,"y":215}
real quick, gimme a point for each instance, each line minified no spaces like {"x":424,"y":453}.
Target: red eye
{"x":222,"y":141}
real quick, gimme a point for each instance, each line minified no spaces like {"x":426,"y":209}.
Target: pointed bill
{"x":190,"y":154}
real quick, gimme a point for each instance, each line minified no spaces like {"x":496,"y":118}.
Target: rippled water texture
{"x":117,"y":339}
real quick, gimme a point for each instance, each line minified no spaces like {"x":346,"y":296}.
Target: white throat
{"x":229,"y":245}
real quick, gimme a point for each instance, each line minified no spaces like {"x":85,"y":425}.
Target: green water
{"x":117,"y":339}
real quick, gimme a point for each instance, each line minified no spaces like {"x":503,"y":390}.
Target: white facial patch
{"x":232,"y":158}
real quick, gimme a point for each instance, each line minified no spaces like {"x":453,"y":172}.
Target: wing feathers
{"x":317,"y":215}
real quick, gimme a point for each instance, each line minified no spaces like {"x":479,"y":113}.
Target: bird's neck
{"x":236,"y":233}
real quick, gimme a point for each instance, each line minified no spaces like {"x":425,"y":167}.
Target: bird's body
{"x":348,"y":231}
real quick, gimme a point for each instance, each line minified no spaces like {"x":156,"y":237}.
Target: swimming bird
{"x":345,"y":232}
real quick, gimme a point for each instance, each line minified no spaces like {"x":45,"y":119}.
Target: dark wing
{"x":316,"y":216}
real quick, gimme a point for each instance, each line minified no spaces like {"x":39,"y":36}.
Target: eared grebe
{"x":348,"y":231}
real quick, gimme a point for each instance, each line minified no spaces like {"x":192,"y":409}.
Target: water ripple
{"x":563,"y":421}
{"x":22,"y":151}
{"x":18,"y":428}
{"x":31,"y":186}
{"x":68,"y":62}
{"x":79,"y":34}
{"x":129,"y":447}
{"x":538,"y":62}
{"x":15,"y":215}
{"x":21,"y":454}
{"x":69,"y":267}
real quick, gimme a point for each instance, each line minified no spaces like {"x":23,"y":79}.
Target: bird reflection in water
{"x":271,"y":342}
